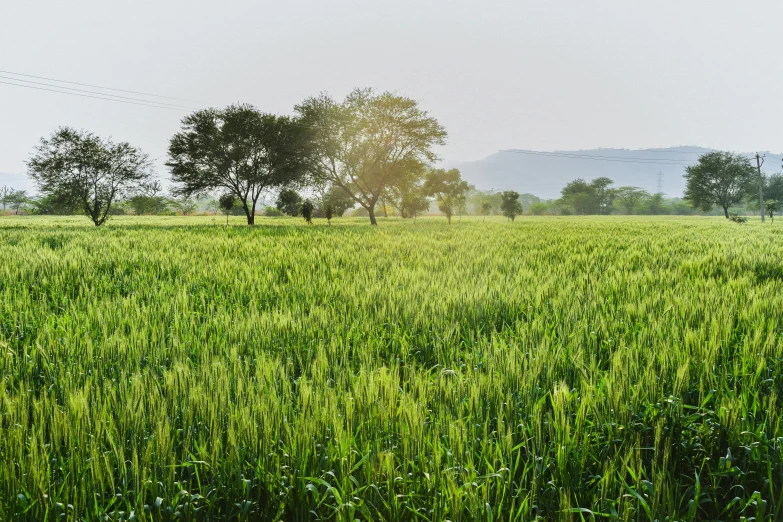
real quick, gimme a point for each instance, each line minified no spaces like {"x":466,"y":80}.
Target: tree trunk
{"x":250,"y":213}
{"x":726,"y":212}
{"x":448,"y":217}
{"x":371,"y":211}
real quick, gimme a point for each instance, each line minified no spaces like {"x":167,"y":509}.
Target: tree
{"x":335,"y":202}
{"x":365,"y":144}
{"x":718,"y":178}
{"x":148,"y":199}
{"x":448,"y":188}
{"x":486,"y":208}
{"x":603,"y":194}
{"x":407,"y":194}
{"x":580,"y":196}
{"x":289,"y":202}
{"x":538,"y":209}
{"x":227,"y":203}
{"x":630,"y":198}
{"x":16,"y":199}
{"x":238,"y":150}
{"x":307,"y":211}
{"x":184,"y":205}
{"x":80,"y":166}
{"x":510,"y":204}
{"x":655,"y":204}
{"x":771,"y":206}
{"x":4,"y":193}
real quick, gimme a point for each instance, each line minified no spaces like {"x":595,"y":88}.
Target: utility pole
{"x":759,"y":163}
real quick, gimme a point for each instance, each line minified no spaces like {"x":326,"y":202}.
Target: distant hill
{"x":546,"y":173}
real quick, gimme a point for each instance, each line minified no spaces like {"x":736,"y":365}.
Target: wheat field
{"x":546,"y":369}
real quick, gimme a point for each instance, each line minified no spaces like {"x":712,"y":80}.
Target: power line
{"x":100,"y":93}
{"x":151,"y":104}
{"x":94,"y":86}
{"x":662,"y":161}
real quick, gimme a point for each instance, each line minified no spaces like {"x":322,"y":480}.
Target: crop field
{"x":550,"y":368}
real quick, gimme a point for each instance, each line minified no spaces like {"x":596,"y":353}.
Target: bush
{"x":272,"y":212}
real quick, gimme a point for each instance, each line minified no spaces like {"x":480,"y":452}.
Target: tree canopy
{"x":718,"y":178}
{"x":510,"y":205}
{"x":366,"y":143}
{"x":78,"y":165}
{"x":238,"y":150}
{"x":448,"y":188}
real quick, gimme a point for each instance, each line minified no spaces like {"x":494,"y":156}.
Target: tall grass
{"x":553,"y":369}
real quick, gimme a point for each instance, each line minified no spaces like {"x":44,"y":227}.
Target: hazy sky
{"x":547,"y":74}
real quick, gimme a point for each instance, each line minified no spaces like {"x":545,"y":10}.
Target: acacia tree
{"x":448,"y":188}
{"x":365,"y":144}
{"x":78,"y":165}
{"x":718,"y":178}
{"x":238,"y":150}
{"x":630,"y":198}
{"x":16,"y":199}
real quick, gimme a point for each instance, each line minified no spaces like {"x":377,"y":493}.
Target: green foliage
{"x":238,"y":150}
{"x":585,"y":198}
{"x":16,"y":199}
{"x":510,"y":205}
{"x":289,"y":202}
{"x":367,"y":143}
{"x":448,"y":188}
{"x":733,"y":216}
{"x":771,"y":206}
{"x":78,"y":166}
{"x":307,"y":211}
{"x":168,"y":369}
{"x":631,"y":198}
{"x":184,"y":205}
{"x":273,"y":212}
{"x":719,"y":178}
{"x":539,"y":209}
{"x":335,"y":202}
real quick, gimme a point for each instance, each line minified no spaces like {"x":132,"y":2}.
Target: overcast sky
{"x":545,"y":75}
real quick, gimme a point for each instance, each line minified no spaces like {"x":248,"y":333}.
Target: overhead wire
{"x":148,"y":103}
{"x":95,"y":86}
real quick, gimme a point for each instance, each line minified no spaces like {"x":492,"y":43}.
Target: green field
{"x":551,"y":368}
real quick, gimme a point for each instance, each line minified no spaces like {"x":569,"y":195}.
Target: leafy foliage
{"x":448,"y":188}
{"x":78,"y":166}
{"x":238,"y":150}
{"x":289,"y":202}
{"x":510,"y":204}
{"x":718,"y":178}
{"x":367,"y":143}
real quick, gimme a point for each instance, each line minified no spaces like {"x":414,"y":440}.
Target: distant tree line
{"x":371,"y":152}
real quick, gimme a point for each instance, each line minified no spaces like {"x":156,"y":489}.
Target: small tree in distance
{"x":510,"y":204}
{"x":448,"y":188}
{"x":4,"y":193}
{"x":486,"y":208}
{"x":227,"y":203}
{"x":307,"y":211}
{"x":771,"y":206}
{"x":631,"y":198}
{"x":289,"y":202}
{"x":16,"y":199}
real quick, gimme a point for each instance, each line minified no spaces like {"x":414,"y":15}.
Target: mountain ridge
{"x":545,"y":173}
